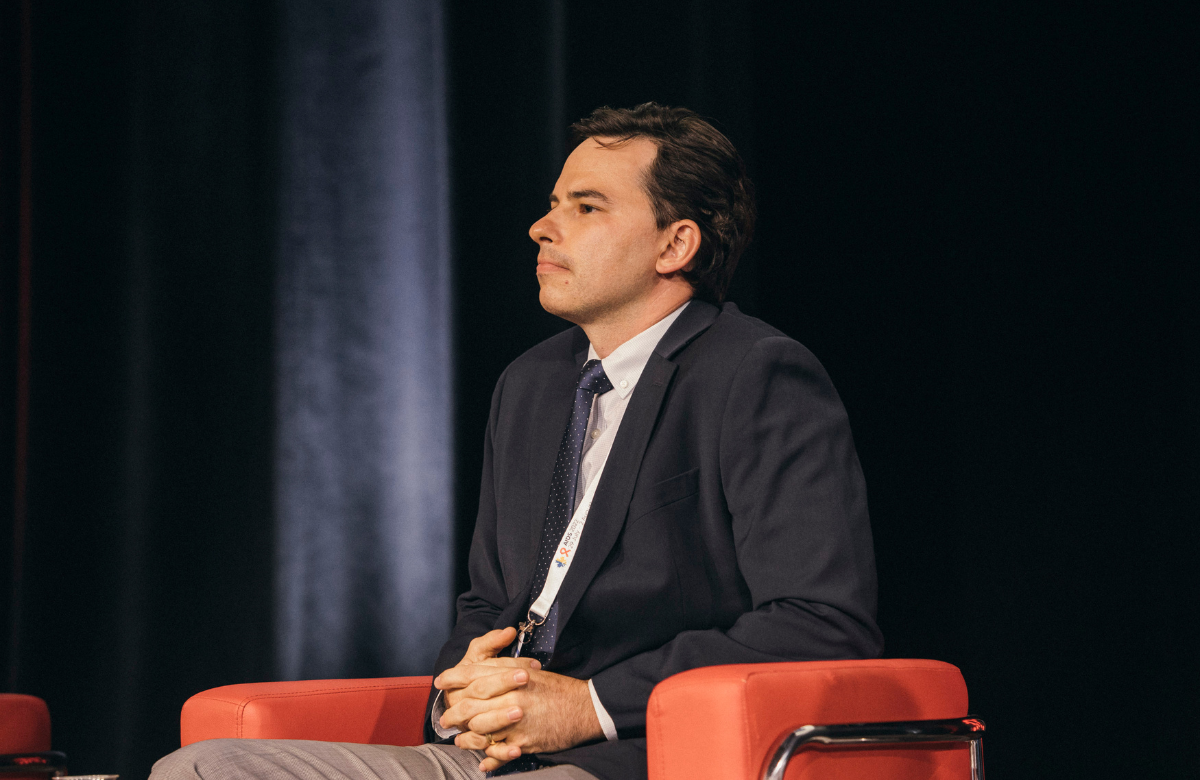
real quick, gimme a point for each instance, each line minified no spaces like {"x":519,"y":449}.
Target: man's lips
{"x":545,"y":265}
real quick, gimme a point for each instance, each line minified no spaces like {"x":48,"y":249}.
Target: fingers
{"x":461,"y":713}
{"x":488,"y":645}
{"x":498,"y":751}
{"x":458,"y":677}
{"x":463,"y":675}
{"x":452,"y":698}
{"x":469,"y":740}
{"x":523,"y":663}
{"x":492,"y":721}
{"x":483,"y":650}
{"x":494,"y":685}
{"x":498,"y":755}
{"x":501,"y":681}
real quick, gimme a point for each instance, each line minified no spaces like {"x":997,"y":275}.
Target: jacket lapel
{"x":611,"y":503}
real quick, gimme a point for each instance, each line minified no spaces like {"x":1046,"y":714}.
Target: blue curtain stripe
{"x":363,"y":373}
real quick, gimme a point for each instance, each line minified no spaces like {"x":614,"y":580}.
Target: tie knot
{"x":593,"y":379}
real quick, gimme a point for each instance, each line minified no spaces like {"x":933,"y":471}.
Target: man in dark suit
{"x":730,"y":525}
{"x":671,"y":484}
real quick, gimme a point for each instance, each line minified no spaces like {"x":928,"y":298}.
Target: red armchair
{"x":843,"y":720}
{"x":25,"y":738}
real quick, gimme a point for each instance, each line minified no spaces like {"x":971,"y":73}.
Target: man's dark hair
{"x":697,"y":174}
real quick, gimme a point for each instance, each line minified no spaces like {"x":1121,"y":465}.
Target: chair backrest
{"x":24,"y":724}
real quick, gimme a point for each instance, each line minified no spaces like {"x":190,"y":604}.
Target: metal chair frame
{"x":898,"y":733}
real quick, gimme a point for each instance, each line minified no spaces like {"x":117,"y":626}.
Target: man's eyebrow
{"x":593,"y":194}
{"x":581,"y":194}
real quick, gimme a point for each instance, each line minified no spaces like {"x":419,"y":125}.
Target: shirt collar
{"x":626,"y":363}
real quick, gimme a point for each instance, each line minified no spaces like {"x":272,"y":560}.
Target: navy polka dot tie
{"x":592,"y":382}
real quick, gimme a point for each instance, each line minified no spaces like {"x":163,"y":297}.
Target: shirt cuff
{"x":606,"y":721}
{"x":439,"y":709}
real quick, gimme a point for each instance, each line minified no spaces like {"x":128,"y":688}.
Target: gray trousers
{"x":298,"y":759}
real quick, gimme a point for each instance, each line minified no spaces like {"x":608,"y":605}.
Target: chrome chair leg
{"x":898,"y":733}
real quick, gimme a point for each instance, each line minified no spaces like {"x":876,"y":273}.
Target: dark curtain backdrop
{"x":982,"y":220}
{"x":148,"y":542}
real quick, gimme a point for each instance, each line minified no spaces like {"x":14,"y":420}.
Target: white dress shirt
{"x":623,"y":367}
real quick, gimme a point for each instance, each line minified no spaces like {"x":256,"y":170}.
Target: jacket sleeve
{"x":797,"y":506}
{"x":480,"y":606}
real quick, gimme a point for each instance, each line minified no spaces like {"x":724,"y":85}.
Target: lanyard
{"x":560,"y":565}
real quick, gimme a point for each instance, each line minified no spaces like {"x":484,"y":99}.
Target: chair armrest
{"x":381,"y":711}
{"x":723,"y":721}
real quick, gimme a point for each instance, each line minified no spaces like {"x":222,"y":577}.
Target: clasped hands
{"x":509,"y":706}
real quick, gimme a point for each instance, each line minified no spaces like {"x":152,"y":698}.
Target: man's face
{"x":598,"y":243}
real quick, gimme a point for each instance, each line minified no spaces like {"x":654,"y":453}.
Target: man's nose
{"x":544,"y":231}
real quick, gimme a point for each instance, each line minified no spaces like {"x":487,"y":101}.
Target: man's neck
{"x":608,"y":333}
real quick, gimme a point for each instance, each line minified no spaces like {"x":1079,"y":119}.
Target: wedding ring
{"x":492,"y":741}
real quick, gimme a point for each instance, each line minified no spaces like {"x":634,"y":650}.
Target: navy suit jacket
{"x":730,"y":525}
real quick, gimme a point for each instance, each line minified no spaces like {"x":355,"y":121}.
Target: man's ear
{"x":683,"y":241}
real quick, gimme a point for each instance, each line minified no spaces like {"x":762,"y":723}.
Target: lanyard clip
{"x":525,"y":630}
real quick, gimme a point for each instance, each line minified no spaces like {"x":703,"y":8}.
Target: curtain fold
{"x":363,"y":367}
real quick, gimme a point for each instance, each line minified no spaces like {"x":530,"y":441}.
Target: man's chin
{"x":553,"y":301}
